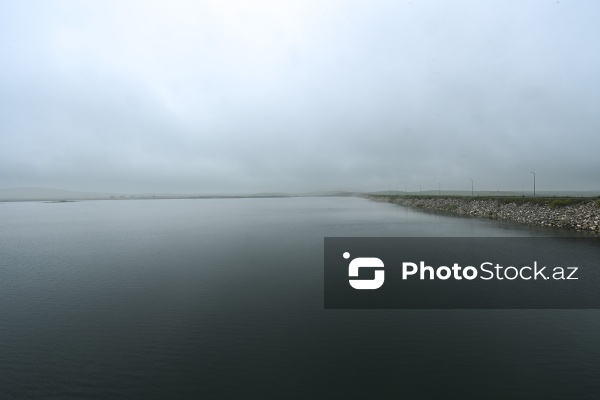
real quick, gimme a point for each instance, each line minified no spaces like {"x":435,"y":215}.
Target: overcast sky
{"x":253,"y":96}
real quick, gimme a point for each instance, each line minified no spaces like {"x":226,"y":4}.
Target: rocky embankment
{"x":582,"y":216}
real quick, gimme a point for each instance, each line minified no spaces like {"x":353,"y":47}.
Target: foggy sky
{"x":254,"y":96}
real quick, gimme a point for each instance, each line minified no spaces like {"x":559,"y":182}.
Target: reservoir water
{"x":223,"y":298}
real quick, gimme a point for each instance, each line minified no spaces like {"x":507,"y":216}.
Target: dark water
{"x":224,"y":299}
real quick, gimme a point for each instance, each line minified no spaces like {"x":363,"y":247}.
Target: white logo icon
{"x":365,"y":262}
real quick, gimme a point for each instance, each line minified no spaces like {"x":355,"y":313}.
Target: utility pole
{"x":420,"y":190}
{"x":439,"y":189}
{"x":533,"y":183}
{"x":471,"y":187}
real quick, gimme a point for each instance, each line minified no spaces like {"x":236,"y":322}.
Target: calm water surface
{"x":224,"y":299}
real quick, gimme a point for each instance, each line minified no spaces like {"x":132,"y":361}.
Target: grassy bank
{"x":549,"y":201}
{"x":576,"y":213}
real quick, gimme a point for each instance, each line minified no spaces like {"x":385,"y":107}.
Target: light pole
{"x":533,"y":183}
{"x":471,"y":187}
{"x":419,"y":190}
{"x":439,"y":189}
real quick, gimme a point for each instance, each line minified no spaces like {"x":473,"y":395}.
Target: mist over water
{"x":223,"y":298}
{"x":218,"y":298}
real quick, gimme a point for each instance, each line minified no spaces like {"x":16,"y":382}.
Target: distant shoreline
{"x":578,"y":214}
{"x":72,"y":200}
{"x":178,"y":197}
{"x":60,"y":195}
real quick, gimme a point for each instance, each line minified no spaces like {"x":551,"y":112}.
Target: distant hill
{"x":303,"y":194}
{"x":50,"y":194}
{"x":36,"y":193}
